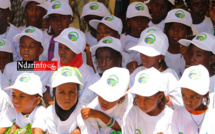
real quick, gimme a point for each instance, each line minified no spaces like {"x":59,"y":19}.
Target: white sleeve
{"x":175,"y":124}
{"x":128,"y":124}
{"x":5,"y":102}
{"x":40,"y":119}
{"x":6,"y":119}
{"x":50,"y":121}
{"x":6,"y":79}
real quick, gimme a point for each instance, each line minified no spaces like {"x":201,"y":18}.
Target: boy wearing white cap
{"x":138,"y":17}
{"x":195,"y":117}
{"x":7,"y":30}
{"x":149,"y":113}
{"x":31,"y":47}
{"x":153,"y":47}
{"x":201,"y":49}
{"x":178,"y":25}
{"x":105,"y":112}
{"x":64,"y":116}
{"x":26,"y":115}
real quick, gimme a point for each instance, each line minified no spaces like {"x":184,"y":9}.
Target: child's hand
{"x":14,"y":128}
{"x":89,"y":113}
{"x":131,"y":66}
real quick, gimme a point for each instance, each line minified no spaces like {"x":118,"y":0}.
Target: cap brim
{"x":186,"y":43}
{"x":145,"y":92}
{"x":139,"y":14}
{"x":18,"y":87}
{"x":19,"y":36}
{"x":94,"y":23}
{"x":66,"y":81}
{"x":190,"y":86}
{"x":149,"y":51}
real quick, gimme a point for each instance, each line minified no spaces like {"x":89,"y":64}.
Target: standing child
{"x":149,"y":114}
{"x":195,"y":117}
{"x":138,"y":18}
{"x":26,"y":115}
{"x":153,"y":47}
{"x":105,"y":112}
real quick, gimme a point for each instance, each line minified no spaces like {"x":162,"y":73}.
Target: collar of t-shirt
{"x":196,"y":112}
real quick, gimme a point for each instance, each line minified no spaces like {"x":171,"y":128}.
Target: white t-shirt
{"x":161,"y":25}
{"x":138,"y":122}
{"x":75,"y":120}
{"x":37,"y":118}
{"x":182,"y":122}
{"x":205,"y":26}
{"x":212,"y":86}
{"x":15,"y":46}
{"x":5,"y":103}
{"x":128,"y":42}
{"x":172,"y":90}
{"x":10,"y":74}
{"x":117,"y":112}
{"x":212,"y":100}
{"x":1,"y":88}
{"x":90,"y":39}
{"x":176,"y":62}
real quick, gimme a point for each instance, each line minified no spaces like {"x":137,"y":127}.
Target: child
{"x":178,"y":25}
{"x":30,"y":45}
{"x":71,"y":45}
{"x":26,"y":115}
{"x":149,"y":113}
{"x":64,"y":116}
{"x":93,"y":10}
{"x":33,"y":13}
{"x":195,"y":117}
{"x":59,"y":15}
{"x":201,"y":50}
{"x":153,"y":47}
{"x":138,"y":18}
{"x":159,"y":10}
{"x":7,"y":30}
{"x":105,"y":112}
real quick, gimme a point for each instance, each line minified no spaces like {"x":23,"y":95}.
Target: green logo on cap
{"x":109,"y":18}
{"x":66,"y":72}
{"x":29,"y":30}
{"x":25,"y":78}
{"x":112,"y":80}
{"x":194,"y":74}
{"x":137,"y":131}
{"x":2,"y":42}
{"x":151,"y":30}
{"x":180,"y":14}
{"x":56,"y":5}
{"x":139,"y":7}
{"x":73,"y":36}
{"x":94,"y":6}
{"x":143,"y":78}
{"x":150,"y":39}
{"x":107,"y":40}
{"x":201,"y":37}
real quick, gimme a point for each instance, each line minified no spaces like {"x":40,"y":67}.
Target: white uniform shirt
{"x":139,"y":122}
{"x":211,"y":87}
{"x":161,"y":25}
{"x":5,"y":103}
{"x":205,"y":26}
{"x":90,"y":39}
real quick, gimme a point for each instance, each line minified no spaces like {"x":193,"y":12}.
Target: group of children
{"x":156,"y":76}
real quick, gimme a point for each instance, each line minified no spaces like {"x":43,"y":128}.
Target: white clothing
{"x":161,"y":25}
{"x":205,"y":26}
{"x":92,"y":41}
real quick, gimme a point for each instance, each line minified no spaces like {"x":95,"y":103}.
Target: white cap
{"x":152,"y":44}
{"x":32,"y":32}
{"x":72,"y":38}
{"x":28,"y":83}
{"x":204,"y":41}
{"x":148,"y":82}
{"x":196,"y":78}
{"x":111,"y":21}
{"x":25,"y":2}
{"x":46,"y":4}
{"x":95,"y":8}
{"x":4,"y":4}
{"x":59,"y":7}
{"x":181,"y":16}
{"x":137,"y":9}
{"x":66,"y":74}
{"x":171,"y":1}
{"x":150,"y":30}
{"x":113,"y":84}
{"x":5,"y":46}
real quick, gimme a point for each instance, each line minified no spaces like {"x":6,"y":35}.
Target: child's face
{"x":199,"y":7}
{"x":66,"y":95}
{"x":29,"y":48}
{"x":4,"y":59}
{"x":176,"y":32}
{"x":24,"y":103}
{"x":59,"y":22}
{"x":33,"y":12}
{"x":105,"y":105}
{"x":65,"y":53}
{"x":148,"y":105}
{"x":149,"y":61}
{"x":137,"y":25}
{"x":199,"y":56}
{"x":104,"y":31}
{"x":3,"y":16}
{"x":192,"y":100}
{"x":159,"y":9}
{"x":106,"y":59}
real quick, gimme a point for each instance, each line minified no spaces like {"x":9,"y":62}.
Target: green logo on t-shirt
{"x":151,"y":30}
{"x":56,"y":5}
{"x":94,"y":6}
{"x":112,"y":80}
{"x":137,"y":131}
{"x":150,"y":39}
{"x":109,"y":18}
{"x":139,"y":7}
{"x":2,"y":42}
{"x":201,"y":37}
{"x":73,"y":36}
{"x":29,"y":30}
{"x":107,"y":40}
{"x":25,"y":78}
{"x":194,"y":74}
{"x":143,"y":78}
{"x":180,"y":14}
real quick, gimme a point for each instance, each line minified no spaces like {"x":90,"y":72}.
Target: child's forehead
{"x":58,"y":15}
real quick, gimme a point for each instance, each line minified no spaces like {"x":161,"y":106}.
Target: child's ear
{"x":41,"y":50}
{"x":160,"y":96}
{"x":71,"y":20}
{"x":212,"y":60}
{"x":37,"y":100}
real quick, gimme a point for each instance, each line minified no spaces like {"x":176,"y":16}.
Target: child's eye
{"x":97,"y":32}
{"x":108,"y":58}
{"x":38,"y":9}
{"x":61,"y":93}
{"x":22,"y":96}
{"x":107,"y":32}
{"x":194,"y":97}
